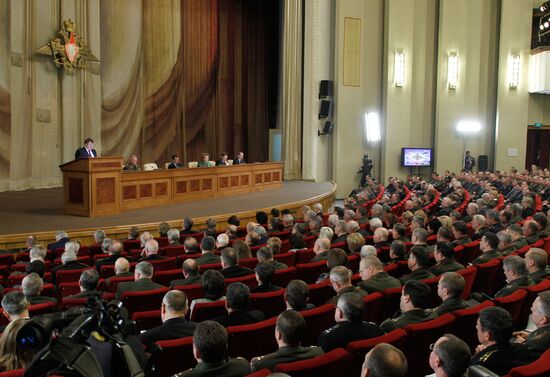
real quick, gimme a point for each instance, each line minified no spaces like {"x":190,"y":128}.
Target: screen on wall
{"x":416,"y":156}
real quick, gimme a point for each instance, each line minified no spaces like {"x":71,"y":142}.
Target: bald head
{"x":122,"y":266}
{"x":385,"y":360}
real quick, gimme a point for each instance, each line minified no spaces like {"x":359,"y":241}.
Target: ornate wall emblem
{"x":68,"y":50}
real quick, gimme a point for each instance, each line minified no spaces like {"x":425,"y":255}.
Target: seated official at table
{"x":223,"y":160}
{"x":132,"y":164}
{"x":87,"y":151}
{"x":175,"y":163}
{"x":239,"y":159}
{"x":203,"y":163}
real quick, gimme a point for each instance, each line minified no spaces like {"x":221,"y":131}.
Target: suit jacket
{"x":486,"y":257}
{"x":192,"y":279}
{"x":83,"y":153}
{"x":58,"y":244}
{"x":174,"y":165}
{"x":379,"y":282}
{"x":351,"y":289}
{"x":108,"y":280}
{"x":407,"y":318}
{"x":450,"y":305}
{"x":341,"y":238}
{"x":208,"y":258}
{"x":462,"y":241}
{"x":238,"y":318}
{"x":536,"y":343}
{"x":86,"y":294}
{"x":319,"y":257}
{"x":173,"y":328}
{"x":221,"y":163}
{"x":285,"y":355}
{"x":238,"y":162}
{"x":34,"y":300}
{"x":142,"y":284}
{"x":341,"y":334}
{"x":236,"y":272}
{"x":480,"y":233}
{"x":445,"y":265}
{"x":111,"y":259}
{"x":151,"y":257}
{"x":278,"y":265}
{"x":225,"y":368}
{"x":263,"y":288}
{"x":420,"y":274}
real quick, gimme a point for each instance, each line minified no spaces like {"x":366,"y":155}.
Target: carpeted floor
{"x":41,"y":210}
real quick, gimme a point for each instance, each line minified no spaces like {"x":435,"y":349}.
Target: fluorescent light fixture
{"x":514,"y":64}
{"x":372,"y":125}
{"x":468,"y":127}
{"x":399,"y":68}
{"x":452,"y":70}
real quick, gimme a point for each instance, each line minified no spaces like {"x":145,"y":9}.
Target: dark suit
{"x":221,"y":163}
{"x":238,"y":162}
{"x":208,"y":258}
{"x":238,"y":318}
{"x":285,"y":355}
{"x":341,"y":238}
{"x":278,"y":265}
{"x":350,"y":289}
{"x":514,"y":285}
{"x":142,"y":284}
{"x":487,"y":256}
{"x":34,"y":300}
{"x":379,"y":282}
{"x":151,"y":257}
{"x":174,"y":165}
{"x":173,"y":328}
{"x":110,"y":260}
{"x":445,"y":265}
{"x":345,"y":332}
{"x":225,"y":368}
{"x":192,"y":279}
{"x":319,"y":257}
{"x":83,"y":153}
{"x":236,"y":272}
{"x":71,"y":265}
{"x":86,"y":294}
{"x":407,"y":318}
{"x":462,"y":241}
{"x":420,"y":274}
{"x":450,"y":305}
{"x":480,"y":233}
{"x":58,"y":244}
{"x":263,"y":288}
{"x":108,"y":280}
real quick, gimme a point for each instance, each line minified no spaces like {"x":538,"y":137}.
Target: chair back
{"x":284,"y":276}
{"x":538,"y":368}
{"x":372,"y":304}
{"x":252,"y":340}
{"x":333,"y":363}
{"x":166,"y":276}
{"x":513,"y":303}
{"x":249,"y":280}
{"x":269,"y":303}
{"x":176,"y":356}
{"x":66,"y":303}
{"x":192,"y":291}
{"x":68,"y":276}
{"x":172,"y":251}
{"x":288,"y":258}
{"x":465,"y":323}
{"x":309,"y":272}
{"x":164,"y":264}
{"x":204,"y":311}
{"x":317,"y":320}
{"x":469,"y":274}
{"x":147,"y":320}
{"x":44,"y":308}
{"x":321,"y":292}
{"x":116,"y":280}
{"x":303,"y":256}
{"x":486,"y":276}
{"x":390,"y":303}
{"x":142,"y":301}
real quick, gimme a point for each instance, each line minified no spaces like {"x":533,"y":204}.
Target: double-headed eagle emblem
{"x":68,"y":50}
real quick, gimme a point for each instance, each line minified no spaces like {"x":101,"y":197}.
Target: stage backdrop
{"x":187,"y":76}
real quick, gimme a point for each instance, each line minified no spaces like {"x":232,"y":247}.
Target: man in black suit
{"x":188,"y":227}
{"x":69,"y":260}
{"x":142,"y":276}
{"x":88,"y":282}
{"x":208,"y":244}
{"x":115,"y":252}
{"x":191,"y":274}
{"x":122,"y":269}
{"x":175,"y":163}
{"x":150,"y":251}
{"x":264,"y":275}
{"x":239,"y":159}
{"x":172,"y":312}
{"x":237,"y":305}
{"x":87,"y":151}
{"x":488,"y":245}
{"x":61,"y":238}
{"x":32,"y":286}
{"x":264,"y":254}
{"x":349,"y":324}
{"x":223,"y":160}
{"x":230,"y":264}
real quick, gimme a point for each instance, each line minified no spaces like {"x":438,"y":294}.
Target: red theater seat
{"x":465,"y":323}
{"x":373,"y":304}
{"x":38,"y":309}
{"x":147,"y":320}
{"x":390,"y":303}
{"x":13,"y":373}
{"x":172,"y":251}
{"x":208,"y":310}
{"x":486,"y":276}
{"x":192,"y":291}
{"x":319,"y":293}
{"x":249,"y":280}
{"x":287,"y":258}
{"x":539,"y":368}
{"x":116,"y":280}
{"x":333,"y":363}
{"x":357,"y":350}
{"x":513,"y":304}
{"x":176,"y":356}
{"x":166,"y":276}
{"x":248,"y":263}
{"x":309,"y":272}
{"x":252,"y":340}
{"x":304,"y":256}
{"x":69,"y":276}
{"x":66,"y":303}
{"x":164,"y":264}
{"x":143,"y":301}
{"x":269,"y":303}
{"x":284,"y":276}
{"x":469,"y":275}
{"x":317,"y":320}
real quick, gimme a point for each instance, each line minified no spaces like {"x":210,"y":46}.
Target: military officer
{"x":444,"y":256}
{"x":375,"y":279}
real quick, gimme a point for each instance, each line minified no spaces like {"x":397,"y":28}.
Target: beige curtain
{"x":5,"y":99}
{"x":290,"y":110}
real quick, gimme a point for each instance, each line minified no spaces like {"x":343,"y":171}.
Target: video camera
{"x":82,"y":341}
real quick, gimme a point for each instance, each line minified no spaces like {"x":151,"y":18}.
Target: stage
{"x":40,"y":212}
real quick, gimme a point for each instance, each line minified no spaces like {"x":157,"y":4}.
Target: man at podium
{"x":87,"y":151}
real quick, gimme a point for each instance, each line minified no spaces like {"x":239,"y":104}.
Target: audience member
{"x":237,"y":304}
{"x":444,"y":255}
{"x":384,"y":360}
{"x":373,"y":276}
{"x":190,"y":245}
{"x":32,"y":286}
{"x":15,"y":305}
{"x":296,"y":242}
{"x":450,"y":356}
{"x":230,"y":264}
{"x":115,"y":252}
{"x":530,"y":231}
{"x":264,"y":276}
{"x":516,"y":276}
{"x":274,"y":244}
{"x":213,"y":286}
{"x":368,"y":250}
{"x":340,"y":231}
{"x":536,"y":342}
{"x":398,"y":251}
{"x":335,"y":257}
{"x":88,"y":282}
{"x":208,"y":244}
{"x":265,"y":255}
{"x":122,"y":269}
{"x":297,"y":295}
{"x":340,"y":279}
{"x":222,"y":241}
{"x":418,"y":263}
{"x":289,"y":333}
{"x":518,"y":240}
{"x":173,"y":237}
{"x":488,"y":246}
{"x":242,"y":249}
{"x":321,"y":248}
{"x":460,"y":232}
{"x":536,"y":262}
{"x":190,"y":270}
{"x":355,"y":242}
{"x":61,"y":238}
{"x":150,"y":252}
{"x":143,"y":275}
{"x":210,"y":229}
{"x":187,"y":227}
{"x":449,"y":289}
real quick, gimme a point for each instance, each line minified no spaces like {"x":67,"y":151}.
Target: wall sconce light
{"x":468,"y":127}
{"x":452,"y":70}
{"x":514,"y":63}
{"x":399,"y":68}
{"x":372,"y":127}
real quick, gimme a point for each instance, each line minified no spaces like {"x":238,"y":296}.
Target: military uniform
{"x":445,"y":265}
{"x":499,"y":358}
{"x":532,"y":238}
{"x":514,"y":285}
{"x":208,"y":258}
{"x":420,"y":274}
{"x":519,"y":243}
{"x":407,"y":318}
{"x":226,"y":368}
{"x":537,"y":343}
{"x":462,"y":241}
{"x":539,"y":275}
{"x":487,"y":256}
{"x":285,"y":355}
{"x":450,"y":305}
{"x":278,"y":265}
{"x":507,"y":251}
{"x":350,"y":289}
{"x":379,"y":282}
{"x":345,"y":332}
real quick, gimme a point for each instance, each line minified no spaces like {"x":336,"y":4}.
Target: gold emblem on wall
{"x":68,"y":50}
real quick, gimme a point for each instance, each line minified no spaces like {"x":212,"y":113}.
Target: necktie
{"x":90,"y":153}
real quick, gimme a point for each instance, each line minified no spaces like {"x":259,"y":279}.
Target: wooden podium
{"x":92,"y":186}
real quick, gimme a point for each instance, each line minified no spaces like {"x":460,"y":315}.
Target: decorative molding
{"x":16,"y":59}
{"x":43,"y":115}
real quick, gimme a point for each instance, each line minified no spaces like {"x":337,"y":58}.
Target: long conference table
{"x":98,"y":186}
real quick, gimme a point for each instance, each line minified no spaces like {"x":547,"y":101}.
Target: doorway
{"x":538,"y":146}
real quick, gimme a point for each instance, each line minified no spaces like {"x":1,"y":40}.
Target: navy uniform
{"x":344,"y":332}
{"x":420,"y":274}
{"x":514,"y":285}
{"x":499,"y":358}
{"x":539,"y":275}
{"x":487,"y":256}
{"x":226,"y":368}
{"x":285,"y":355}
{"x":407,"y":318}
{"x":379,"y":282}
{"x":445,"y":265}
{"x":450,"y":305}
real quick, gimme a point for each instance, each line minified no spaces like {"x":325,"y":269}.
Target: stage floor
{"x":41,"y":210}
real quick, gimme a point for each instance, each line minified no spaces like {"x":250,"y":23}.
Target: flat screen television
{"x":411,"y":157}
